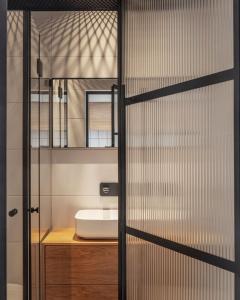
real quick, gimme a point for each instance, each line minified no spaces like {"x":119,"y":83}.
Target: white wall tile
{"x":14,"y":224}
{"x":14,"y":79}
{"x":83,"y":179}
{"x":77,"y":175}
{"x":14,"y":262}
{"x":45,"y":172}
{"x":15,"y":33}
{"x":14,"y":172}
{"x":87,"y":67}
{"x":45,"y":213}
{"x":64,"y":208}
{"x":76,"y":100}
{"x":14,"y":125}
{"x":34,"y":171}
{"x":76,"y":133}
{"x":85,"y":156}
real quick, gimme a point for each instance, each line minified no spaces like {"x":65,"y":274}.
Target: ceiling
{"x":46,"y":5}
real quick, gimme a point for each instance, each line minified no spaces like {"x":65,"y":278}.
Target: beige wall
{"x":76,"y":176}
{"x":14,"y":145}
{"x":81,"y":44}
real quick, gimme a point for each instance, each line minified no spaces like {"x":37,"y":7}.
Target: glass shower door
{"x":181,"y":108}
{"x":35,"y":169}
{"x":40,"y":157}
{"x":14,"y":211}
{"x":35,"y":164}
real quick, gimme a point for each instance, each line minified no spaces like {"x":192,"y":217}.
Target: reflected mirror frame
{"x":112,"y":91}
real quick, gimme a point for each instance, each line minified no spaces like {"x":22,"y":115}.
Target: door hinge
{"x":33,"y":210}
{"x":60,"y":92}
{"x":39,"y":68}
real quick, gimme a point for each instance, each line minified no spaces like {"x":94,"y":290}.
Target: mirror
{"x":84,"y":113}
{"x":75,"y":113}
{"x":40,"y":113}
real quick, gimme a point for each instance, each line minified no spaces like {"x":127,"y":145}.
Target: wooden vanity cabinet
{"x":77,"y":269}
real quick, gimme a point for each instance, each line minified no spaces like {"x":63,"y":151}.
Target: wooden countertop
{"x":66,"y":236}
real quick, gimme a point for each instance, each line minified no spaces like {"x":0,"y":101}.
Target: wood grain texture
{"x":82,"y":292}
{"x":87,"y":264}
{"x":67,"y":236}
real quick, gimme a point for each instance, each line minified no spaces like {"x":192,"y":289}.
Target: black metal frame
{"x":63,"y":5}
{"x":87,"y":93}
{"x":237,"y":142}
{"x":114,"y":132}
{"x":183,"y":87}
{"x":26,"y":153}
{"x":121,"y":161}
{"x":51,"y":96}
{"x":60,"y":97}
{"x":231,"y":74}
{"x":3,"y":144}
{"x":65,"y":93}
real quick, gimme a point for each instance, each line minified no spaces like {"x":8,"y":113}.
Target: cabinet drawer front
{"x":84,"y":292}
{"x":81,"y":265}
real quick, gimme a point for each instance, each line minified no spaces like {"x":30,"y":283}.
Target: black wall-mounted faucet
{"x":108,"y":189}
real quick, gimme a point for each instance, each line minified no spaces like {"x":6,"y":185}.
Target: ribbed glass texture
{"x":170,"y":41}
{"x":180,"y":168}
{"x":155,"y":273}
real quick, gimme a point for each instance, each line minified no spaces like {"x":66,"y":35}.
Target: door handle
{"x":34,"y":210}
{"x":12,"y":212}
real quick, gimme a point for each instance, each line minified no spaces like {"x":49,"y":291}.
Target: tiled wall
{"x":82,"y":44}
{"x":14,"y":145}
{"x":76,"y":176}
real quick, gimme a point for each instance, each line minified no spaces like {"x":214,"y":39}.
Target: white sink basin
{"x":97,"y":224}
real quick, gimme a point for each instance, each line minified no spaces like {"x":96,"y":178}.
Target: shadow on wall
{"x":81,"y":44}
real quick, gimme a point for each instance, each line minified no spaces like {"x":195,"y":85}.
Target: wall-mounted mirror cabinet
{"x":75,"y":113}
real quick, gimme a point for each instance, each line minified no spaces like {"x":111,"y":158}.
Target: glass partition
{"x":14,"y":163}
{"x":181,"y":150}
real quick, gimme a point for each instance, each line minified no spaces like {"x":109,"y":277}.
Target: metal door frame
{"x":231,"y":74}
{"x":36,"y":6}
{"x":3,"y":146}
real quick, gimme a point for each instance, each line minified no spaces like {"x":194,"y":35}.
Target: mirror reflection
{"x":76,"y":113}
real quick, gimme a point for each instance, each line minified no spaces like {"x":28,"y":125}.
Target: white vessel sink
{"x":97,"y":224}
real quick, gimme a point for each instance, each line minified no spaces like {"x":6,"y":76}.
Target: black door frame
{"x":231,"y":74}
{"x":3,"y":146}
{"x":26,"y":127}
{"x":26,"y":153}
{"x":27,"y":7}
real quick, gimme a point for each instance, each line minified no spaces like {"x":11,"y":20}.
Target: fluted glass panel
{"x":170,"y":41}
{"x":155,"y":273}
{"x":180,"y":168}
